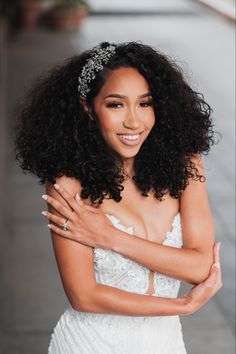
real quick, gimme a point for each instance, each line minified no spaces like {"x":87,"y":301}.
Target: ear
{"x":84,"y":103}
{"x":86,"y":107}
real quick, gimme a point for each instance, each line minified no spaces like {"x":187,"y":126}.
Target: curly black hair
{"x":54,"y":136}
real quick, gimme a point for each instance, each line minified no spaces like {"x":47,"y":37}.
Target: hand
{"x":200,"y":294}
{"x":86,"y":224}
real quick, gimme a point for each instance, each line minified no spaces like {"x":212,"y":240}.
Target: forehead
{"x":125,"y":81}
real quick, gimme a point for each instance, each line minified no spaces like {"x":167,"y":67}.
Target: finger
{"x":217,"y":254}
{"x":67,"y":197}
{"x":215,"y":248}
{"x":212,"y":279}
{"x":219,"y":278}
{"x":60,"y":231}
{"x":218,"y":259}
{"x":79,"y":200}
{"x":92,"y":209}
{"x":85,"y":206}
{"x":59,"y":221}
{"x":68,"y":214}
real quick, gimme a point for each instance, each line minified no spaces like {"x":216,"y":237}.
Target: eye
{"x":114,"y":104}
{"x":146,"y":104}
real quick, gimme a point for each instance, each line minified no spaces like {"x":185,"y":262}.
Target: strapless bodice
{"x":80,"y":332}
{"x":114,"y":269}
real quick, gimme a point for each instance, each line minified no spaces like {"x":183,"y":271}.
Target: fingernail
{"x":44,"y":196}
{"x":217,"y":264}
{"x":44,"y":213}
{"x":77,"y":197}
{"x":50,"y":226}
{"x":56,"y":186}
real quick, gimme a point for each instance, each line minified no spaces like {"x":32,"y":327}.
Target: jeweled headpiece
{"x":94,"y":64}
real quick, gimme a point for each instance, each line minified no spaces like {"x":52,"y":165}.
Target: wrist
{"x":179,"y":306}
{"x":107,"y":239}
{"x":187,"y":304}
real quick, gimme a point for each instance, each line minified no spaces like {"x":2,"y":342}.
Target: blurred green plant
{"x":70,"y":3}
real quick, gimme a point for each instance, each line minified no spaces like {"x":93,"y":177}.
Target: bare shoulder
{"x":195,"y":194}
{"x":197,"y":160}
{"x":74,"y":260}
{"x":71,"y":184}
{"x":196,"y":216}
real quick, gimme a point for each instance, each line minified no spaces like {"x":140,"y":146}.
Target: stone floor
{"x":32,"y":298}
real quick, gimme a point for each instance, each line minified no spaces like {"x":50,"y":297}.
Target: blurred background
{"x":34,"y":36}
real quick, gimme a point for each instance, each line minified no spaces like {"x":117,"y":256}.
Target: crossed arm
{"x":192,"y":263}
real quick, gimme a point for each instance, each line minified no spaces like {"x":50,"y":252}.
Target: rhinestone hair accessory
{"x":93,"y":65}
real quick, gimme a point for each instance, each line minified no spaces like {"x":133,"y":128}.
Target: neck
{"x":128,"y":167}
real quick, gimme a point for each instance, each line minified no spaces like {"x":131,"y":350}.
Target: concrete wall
{"x":3,"y":153}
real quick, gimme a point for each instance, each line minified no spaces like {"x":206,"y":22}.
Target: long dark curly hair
{"x":55,"y":137}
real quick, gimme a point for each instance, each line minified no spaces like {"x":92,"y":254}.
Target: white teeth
{"x":129,"y":137}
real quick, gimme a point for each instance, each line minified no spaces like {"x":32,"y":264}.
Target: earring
{"x":90,"y":116}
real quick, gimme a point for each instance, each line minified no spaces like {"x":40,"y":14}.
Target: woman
{"x":116,"y":134}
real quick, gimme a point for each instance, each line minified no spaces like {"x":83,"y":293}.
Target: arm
{"x":190,"y":263}
{"x":107,"y":299}
{"x":75,"y":264}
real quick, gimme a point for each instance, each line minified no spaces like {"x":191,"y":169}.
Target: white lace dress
{"x":90,"y":333}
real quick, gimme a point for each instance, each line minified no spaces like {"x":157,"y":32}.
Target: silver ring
{"x":64,"y":226}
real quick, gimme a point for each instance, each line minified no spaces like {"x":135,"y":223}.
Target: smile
{"x":130,"y":139}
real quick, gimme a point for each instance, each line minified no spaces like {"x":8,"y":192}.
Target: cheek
{"x":109,"y":122}
{"x":151,"y":120}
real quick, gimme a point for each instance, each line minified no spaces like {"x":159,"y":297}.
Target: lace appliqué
{"x":165,"y":286}
{"x":114,"y":269}
{"x":87,"y":332}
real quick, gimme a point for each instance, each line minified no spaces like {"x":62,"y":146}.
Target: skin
{"x":129,"y":114}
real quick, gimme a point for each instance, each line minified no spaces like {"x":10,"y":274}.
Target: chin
{"x":125,"y":152}
{"x":128,"y":154}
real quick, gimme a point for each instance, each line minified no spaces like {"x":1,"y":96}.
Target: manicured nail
{"x":77,"y":197}
{"x":56,"y":186}
{"x":44,"y":213}
{"x":217,"y":264}
{"x":44,"y":196}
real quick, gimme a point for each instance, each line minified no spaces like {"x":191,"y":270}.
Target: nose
{"x":132,"y":121}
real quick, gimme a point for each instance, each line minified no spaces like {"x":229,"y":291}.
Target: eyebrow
{"x":116,"y":95}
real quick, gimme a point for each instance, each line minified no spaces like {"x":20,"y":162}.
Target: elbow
{"x":201,"y":272}
{"x":79,"y":306}
{"x":83,"y":302}
{"x":200,"y":277}
{"x":201,"y":268}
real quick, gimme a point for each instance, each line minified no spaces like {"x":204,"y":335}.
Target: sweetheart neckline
{"x":131,"y":226}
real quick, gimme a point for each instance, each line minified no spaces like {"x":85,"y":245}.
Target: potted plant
{"x":67,"y":14}
{"x":29,"y":13}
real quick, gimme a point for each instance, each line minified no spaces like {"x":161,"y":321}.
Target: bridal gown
{"x":90,"y":333}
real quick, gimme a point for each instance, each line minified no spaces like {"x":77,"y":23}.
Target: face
{"x":125,"y":111}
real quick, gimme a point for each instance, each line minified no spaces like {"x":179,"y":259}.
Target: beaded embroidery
{"x":114,"y":269}
{"x":93,"y":65}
